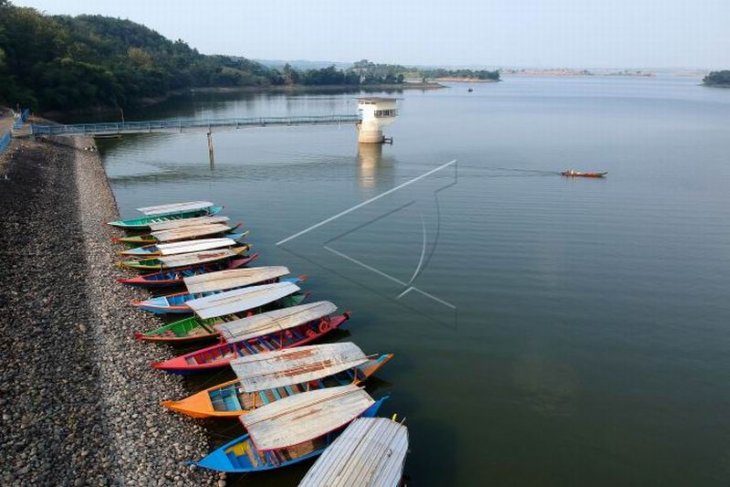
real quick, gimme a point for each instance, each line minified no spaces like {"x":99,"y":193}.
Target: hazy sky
{"x":546,"y":33}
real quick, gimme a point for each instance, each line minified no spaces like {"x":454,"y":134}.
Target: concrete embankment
{"x":79,"y":401}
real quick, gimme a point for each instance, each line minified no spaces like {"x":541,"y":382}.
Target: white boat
{"x":187,"y":222}
{"x":229,"y":279}
{"x":237,"y":300}
{"x":175,"y":208}
{"x":302,"y":417}
{"x":287,"y":367}
{"x":274,"y":321}
{"x":371,"y":452}
{"x":195,"y":258}
{"x":191,"y":232}
{"x":187,"y":246}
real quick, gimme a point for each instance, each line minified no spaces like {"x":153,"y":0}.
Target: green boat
{"x":182,"y":260}
{"x":197,"y":329}
{"x":145,"y":222}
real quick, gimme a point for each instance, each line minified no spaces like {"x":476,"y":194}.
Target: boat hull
{"x":209,"y":403}
{"x":219,"y":356}
{"x":144,"y":222}
{"x":195,"y":329}
{"x":176,"y":303}
{"x":230,"y":458}
{"x":175,"y":277}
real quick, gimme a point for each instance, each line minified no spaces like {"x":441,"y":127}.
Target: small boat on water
{"x":177,"y":234}
{"x":273,"y":330}
{"x":184,"y":247}
{"x":194,"y":329}
{"x":175,"y":208}
{"x":292,"y":430}
{"x":184,"y":260}
{"x":370,"y":452}
{"x":145,"y":222}
{"x":177,"y":303}
{"x":570,"y":173}
{"x":175,"y":277}
{"x":271,"y":376}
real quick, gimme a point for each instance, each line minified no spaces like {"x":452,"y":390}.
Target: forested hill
{"x":61,"y":62}
{"x":64,"y":63}
{"x":717,"y":78}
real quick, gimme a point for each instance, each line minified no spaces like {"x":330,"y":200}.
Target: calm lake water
{"x":547,"y":331}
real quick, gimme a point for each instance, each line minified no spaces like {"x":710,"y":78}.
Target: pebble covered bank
{"x":79,"y":400}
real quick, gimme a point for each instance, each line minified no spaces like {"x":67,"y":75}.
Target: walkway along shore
{"x":79,"y":400}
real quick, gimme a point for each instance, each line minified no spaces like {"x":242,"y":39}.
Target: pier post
{"x":211,"y":156}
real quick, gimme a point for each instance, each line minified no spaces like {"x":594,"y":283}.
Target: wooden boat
{"x":292,"y":430}
{"x":177,"y":234}
{"x":175,"y":208}
{"x":273,"y":330}
{"x":184,"y":260}
{"x":177,"y":303}
{"x":230,"y":279}
{"x":184,"y":247}
{"x":370,"y":452}
{"x":145,"y":222}
{"x":271,"y":376}
{"x":575,"y":174}
{"x":194,"y":329}
{"x":237,"y":300}
{"x":187,"y":222}
{"x":175,"y":277}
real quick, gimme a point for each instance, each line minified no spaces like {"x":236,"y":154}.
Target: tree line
{"x":715,"y":78}
{"x":62,"y":62}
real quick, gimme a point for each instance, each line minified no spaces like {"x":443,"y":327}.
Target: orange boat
{"x":297,"y":370}
{"x":570,"y":173}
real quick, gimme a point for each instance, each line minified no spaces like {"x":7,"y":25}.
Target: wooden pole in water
{"x":210,"y":149}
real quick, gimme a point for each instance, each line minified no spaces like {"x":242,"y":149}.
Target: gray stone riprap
{"x":79,"y":400}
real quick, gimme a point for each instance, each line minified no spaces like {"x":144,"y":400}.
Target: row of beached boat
{"x":296,"y":400}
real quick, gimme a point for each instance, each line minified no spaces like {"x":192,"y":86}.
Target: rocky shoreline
{"x":80,"y":403}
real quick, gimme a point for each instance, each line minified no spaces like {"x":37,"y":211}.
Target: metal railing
{"x":166,"y":125}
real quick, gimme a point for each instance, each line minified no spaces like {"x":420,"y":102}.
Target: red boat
{"x":220,"y":355}
{"x":175,"y":277}
{"x":575,"y":174}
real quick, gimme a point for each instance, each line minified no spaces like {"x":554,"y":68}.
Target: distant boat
{"x":576,"y":174}
{"x":470,"y":90}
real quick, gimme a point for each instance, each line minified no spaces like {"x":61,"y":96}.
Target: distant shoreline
{"x":306,"y":88}
{"x":147,"y":102}
{"x":466,"y":80}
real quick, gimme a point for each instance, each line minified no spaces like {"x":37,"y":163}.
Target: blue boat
{"x":176,"y":303}
{"x":290,"y":431}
